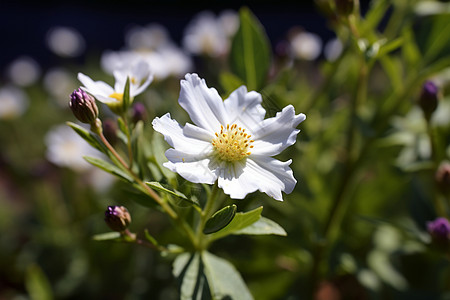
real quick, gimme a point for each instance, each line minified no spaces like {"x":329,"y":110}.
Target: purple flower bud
{"x":117,"y":218}
{"x":439,"y":229}
{"x":83,"y":106}
{"x":139,"y":112}
{"x":428,"y":100}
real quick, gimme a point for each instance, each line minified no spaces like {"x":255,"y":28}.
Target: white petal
{"x":244,"y":108}
{"x":203,"y":104}
{"x":235,"y":182}
{"x":275,"y":134}
{"x":192,"y":167}
{"x":270,"y":175}
{"x":265,"y":174}
{"x":174,"y":135}
{"x":141,"y":71}
{"x":98,"y":89}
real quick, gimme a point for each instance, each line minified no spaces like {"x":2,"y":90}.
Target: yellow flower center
{"x":118,"y":96}
{"x":232,"y":143}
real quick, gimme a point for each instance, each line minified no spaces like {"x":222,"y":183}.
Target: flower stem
{"x":205,"y":214}
{"x":150,"y":192}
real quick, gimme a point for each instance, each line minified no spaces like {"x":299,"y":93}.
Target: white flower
{"x":152,"y":36}
{"x":140,"y":77}
{"x":306,"y":45}
{"x":206,"y":35}
{"x":24,"y":71}
{"x":230,"y":141}
{"x":164,"y":62}
{"x":65,"y":41}
{"x":13,"y":102}
{"x":66,"y":149}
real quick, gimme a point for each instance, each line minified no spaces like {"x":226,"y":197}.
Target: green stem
{"x":336,"y":213}
{"x":150,"y":192}
{"x":206,"y":213}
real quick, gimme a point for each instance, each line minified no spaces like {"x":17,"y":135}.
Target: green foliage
{"x":220,"y":219}
{"x":250,"y":56}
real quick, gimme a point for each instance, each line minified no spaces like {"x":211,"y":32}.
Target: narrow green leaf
{"x":374,"y":15}
{"x":224,"y":280}
{"x":250,"y":51}
{"x":126,"y":95}
{"x":157,"y":186}
{"x":240,"y":221}
{"x":37,"y":283}
{"x":390,"y":46}
{"x":108,"y":167}
{"x":263,"y":226}
{"x":109,"y":236}
{"x":88,"y":137}
{"x":220,"y":219}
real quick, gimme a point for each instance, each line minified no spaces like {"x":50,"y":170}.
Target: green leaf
{"x":109,"y":236}
{"x":250,"y":51}
{"x":157,"y":186}
{"x":110,"y":168}
{"x":263,"y":226}
{"x":126,"y":95}
{"x":188,"y":269}
{"x":37,"y":283}
{"x":224,"y":280}
{"x":220,"y":219}
{"x":229,"y":82}
{"x":88,"y":137}
{"x":240,"y":221}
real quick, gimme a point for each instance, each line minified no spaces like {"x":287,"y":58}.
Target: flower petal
{"x":265,"y":174}
{"x":192,"y":167}
{"x":174,"y":135}
{"x":275,"y":134}
{"x":203,"y":104}
{"x":271,"y":176}
{"x":98,"y":89}
{"x":244,"y":107}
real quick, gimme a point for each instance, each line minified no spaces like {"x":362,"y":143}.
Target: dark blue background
{"x":24,"y":24}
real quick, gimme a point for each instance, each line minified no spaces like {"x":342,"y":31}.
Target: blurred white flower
{"x":13,"y":102}
{"x":140,"y":77}
{"x":59,"y":83}
{"x":306,"y":46}
{"x":163,"y":62}
{"x":65,"y":41}
{"x":24,"y":71}
{"x":333,"y":49}
{"x":66,"y":149}
{"x":229,"y":21}
{"x":206,"y":34}
{"x":152,"y":36}
{"x":230,"y":141}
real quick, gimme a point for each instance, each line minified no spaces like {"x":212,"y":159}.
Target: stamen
{"x":232,"y":143}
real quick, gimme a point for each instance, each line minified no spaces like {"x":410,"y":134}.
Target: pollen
{"x":118,"y":96}
{"x":232,"y":143}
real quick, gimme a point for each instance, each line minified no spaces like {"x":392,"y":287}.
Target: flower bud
{"x":428,"y":100}
{"x":117,"y":218}
{"x":139,"y":112}
{"x":439,"y":229}
{"x":83,"y":106}
{"x":442,"y":177}
{"x":344,"y":7}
